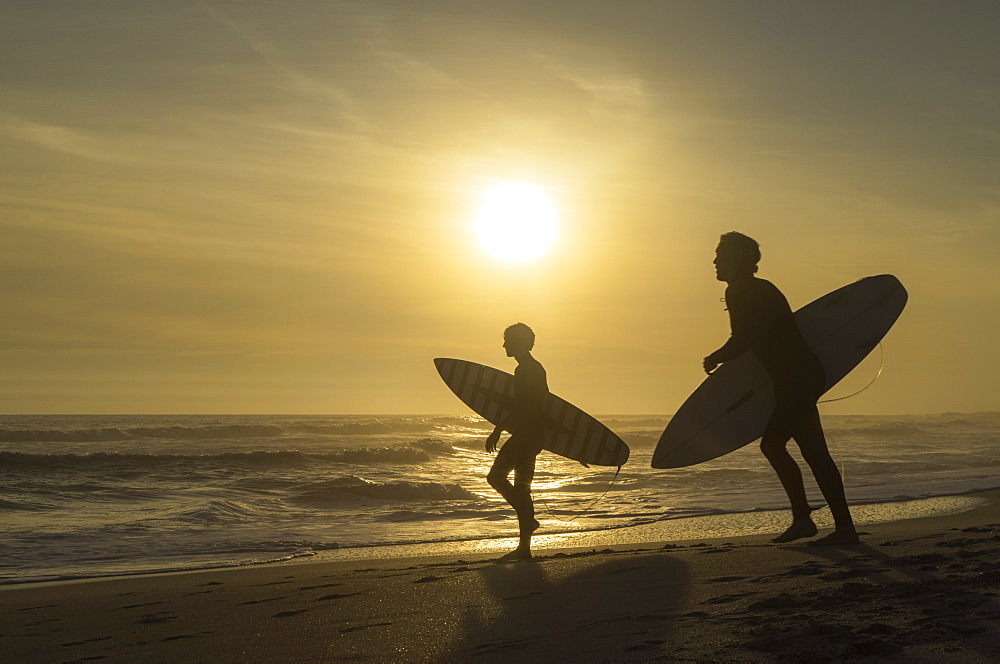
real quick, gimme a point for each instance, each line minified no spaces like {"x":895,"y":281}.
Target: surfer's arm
{"x":746,"y":316}
{"x":528,"y":409}
{"x":511,"y":424}
{"x":494,"y":438}
{"x":736,"y":346}
{"x":524,"y":419}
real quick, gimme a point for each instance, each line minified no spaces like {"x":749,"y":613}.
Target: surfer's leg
{"x":518,"y":459}
{"x":774,"y":445}
{"x":504,"y":463}
{"x":524,"y":473}
{"x":811,"y":440}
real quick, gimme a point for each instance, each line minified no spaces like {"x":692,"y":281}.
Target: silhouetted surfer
{"x":762,"y":321}
{"x":519,"y":452}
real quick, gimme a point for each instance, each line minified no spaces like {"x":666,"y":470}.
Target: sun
{"x":516,"y":221}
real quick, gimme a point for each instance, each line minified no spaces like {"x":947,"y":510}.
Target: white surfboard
{"x":568,"y":431}
{"x":731,"y":407}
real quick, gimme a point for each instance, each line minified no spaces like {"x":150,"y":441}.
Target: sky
{"x":246,"y":206}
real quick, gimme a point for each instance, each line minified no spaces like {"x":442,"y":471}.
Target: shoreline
{"x":921,"y":588}
{"x":726,"y":526}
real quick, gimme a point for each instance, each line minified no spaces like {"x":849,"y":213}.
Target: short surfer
{"x":519,"y":452}
{"x":762,"y":322}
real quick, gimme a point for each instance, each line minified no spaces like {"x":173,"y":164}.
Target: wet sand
{"x":924,"y":589}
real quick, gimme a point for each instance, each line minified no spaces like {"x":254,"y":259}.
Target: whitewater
{"x":84,"y":496}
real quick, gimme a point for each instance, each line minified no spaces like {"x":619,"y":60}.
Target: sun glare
{"x":516,"y":221}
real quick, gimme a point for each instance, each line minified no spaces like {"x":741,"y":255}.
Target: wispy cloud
{"x":57,"y":138}
{"x":295,"y":80}
{"x":615,"y":95}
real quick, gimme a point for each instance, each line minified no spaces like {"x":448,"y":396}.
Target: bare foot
{"x":836,"y":538}
{"x":800,"y":528}
{"x":515,"y":555}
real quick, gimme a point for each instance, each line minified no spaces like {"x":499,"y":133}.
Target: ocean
{"x":86,"y":495}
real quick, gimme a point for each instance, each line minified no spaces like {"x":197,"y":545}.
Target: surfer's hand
{"x":710,"y":364}
{"x":491,"y":442}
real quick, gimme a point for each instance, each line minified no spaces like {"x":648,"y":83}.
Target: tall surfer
{"x":762,"y":321}
{"x":518,"y":454}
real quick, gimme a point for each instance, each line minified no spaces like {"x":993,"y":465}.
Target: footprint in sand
{"x":152,"y":618}
{"x":136,"y":606}
{"x":428,"y":579}
{"x":325,"y":598}
{"x":177,"y":637}
{"x":85,"y":641}
{"x":359,"y":627}
{"x":695,"y":614}
{"x":322,"y":585}
{"x":286,"y":614}
{"x":726,"y":599}
{"x":36,"y":608}
{"x":267,"y":599}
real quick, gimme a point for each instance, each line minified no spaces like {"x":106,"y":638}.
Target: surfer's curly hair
{"x":744,"y":247}
{"x":520,"y":332}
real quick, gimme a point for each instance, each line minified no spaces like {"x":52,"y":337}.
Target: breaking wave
{"x":225,"y":431}
{"x":418,"y":452}
{"x":350,"y":486}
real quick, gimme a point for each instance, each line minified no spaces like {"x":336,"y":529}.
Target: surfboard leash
{"x":881,"y":364}
{"x":585,"y":509}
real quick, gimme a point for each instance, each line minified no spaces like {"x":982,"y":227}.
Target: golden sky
{"x":255,"y":206}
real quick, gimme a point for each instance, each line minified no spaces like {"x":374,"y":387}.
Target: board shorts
{"x":518,"y":454}
{"x":794,"y":401}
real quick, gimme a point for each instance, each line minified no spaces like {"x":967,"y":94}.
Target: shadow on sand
{"x":537,"y":611}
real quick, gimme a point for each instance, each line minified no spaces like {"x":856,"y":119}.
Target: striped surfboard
{"x":568,"y":431}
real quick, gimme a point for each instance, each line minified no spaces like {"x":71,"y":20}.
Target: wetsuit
{"x":525,"y":442}
{"x":762,"y":321}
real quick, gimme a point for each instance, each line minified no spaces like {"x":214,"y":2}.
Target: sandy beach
{"x":302,"y":299}
{"x":915,"y":590}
